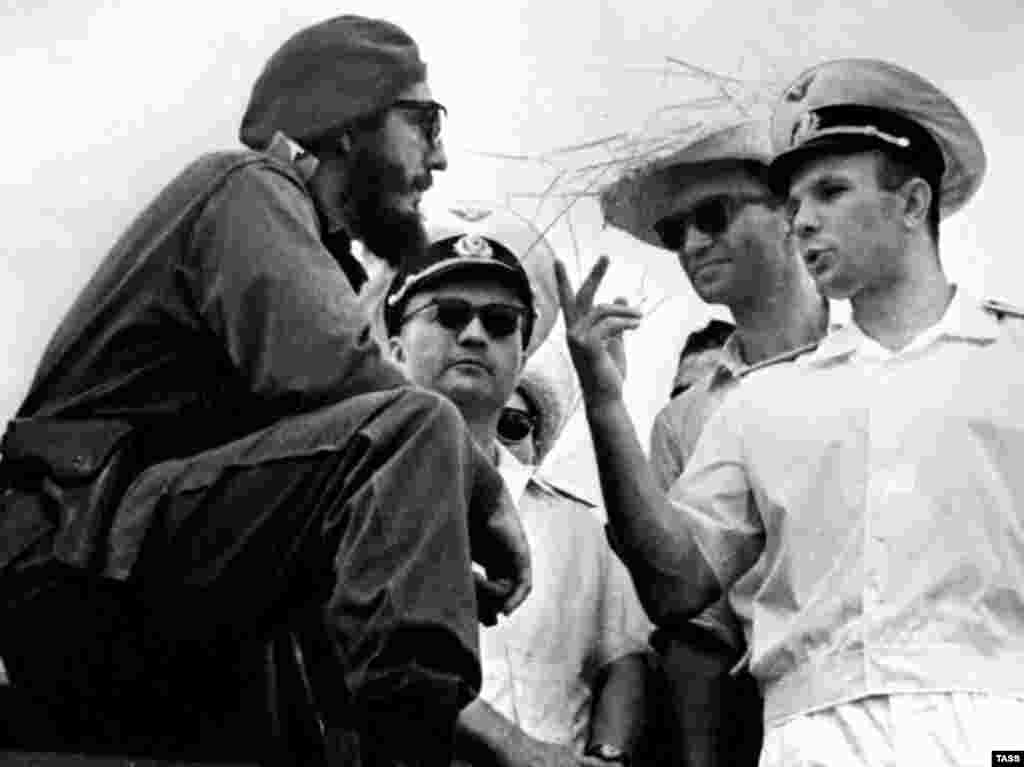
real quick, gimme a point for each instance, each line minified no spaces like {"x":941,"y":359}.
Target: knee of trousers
{"x":426,"y":418}
{"x":380,"y":416}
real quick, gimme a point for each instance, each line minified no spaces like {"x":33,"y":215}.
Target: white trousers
{"x":934,"y":729}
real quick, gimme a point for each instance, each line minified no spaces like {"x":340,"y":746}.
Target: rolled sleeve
{"x":667,"y":458}
{"x":286,"y":314}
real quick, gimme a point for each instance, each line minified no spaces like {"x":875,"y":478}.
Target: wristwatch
{"x":606,"y":752}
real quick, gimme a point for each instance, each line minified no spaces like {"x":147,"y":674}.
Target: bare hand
{"x":591,"y":330}
{"x":616,"y":346}
{"x":506,"y":559}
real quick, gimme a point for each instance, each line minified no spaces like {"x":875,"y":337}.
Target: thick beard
{"x":391,"y":234}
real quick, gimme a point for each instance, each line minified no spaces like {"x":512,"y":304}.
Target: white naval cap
{"x":845,"y":104}
{"x":485,"y":237}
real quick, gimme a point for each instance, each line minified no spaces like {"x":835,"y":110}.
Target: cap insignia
{"x":473,"y":246}
{"x":804,"y":128}
{"x":799,"y":89}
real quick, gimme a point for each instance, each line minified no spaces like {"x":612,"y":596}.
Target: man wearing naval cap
{"x":863,"y":501}
{"x":565,"y":676}
{"x":230,"y":527}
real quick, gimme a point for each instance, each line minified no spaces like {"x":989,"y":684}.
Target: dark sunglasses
{"x":427,"y":116}
{"x":499,"y":320}
{"x":711,"y":217}
{"x":515,"y":425}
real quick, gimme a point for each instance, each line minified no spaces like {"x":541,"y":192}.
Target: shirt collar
{"x":517,"y":475}
{"x":729,"y":364}
{"x":732,"y":364}
{"x":964,"y":318}
{"x":286,"y":150}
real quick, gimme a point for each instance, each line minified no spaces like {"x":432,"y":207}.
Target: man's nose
{"x":474,"y":332}
{"x":804,"y":220}
{"x":696,"y":241}
{"x":437,"y":159}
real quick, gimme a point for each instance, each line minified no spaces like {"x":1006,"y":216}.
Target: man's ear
{"x":919,"y":199}
{"x":397,"y":349}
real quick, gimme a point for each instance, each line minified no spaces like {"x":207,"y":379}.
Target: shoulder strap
{"x":1002,"y":309}
{"x":787,"y":356}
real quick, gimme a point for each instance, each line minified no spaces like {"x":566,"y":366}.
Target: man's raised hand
{"x":590,"y":330}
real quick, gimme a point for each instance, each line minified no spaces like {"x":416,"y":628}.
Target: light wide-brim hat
{"x":549,"y":382}
{"x":798,"y":129}
{"x":644,"y":195}
{"x":539,"y":388}
{"x":470,"y":228}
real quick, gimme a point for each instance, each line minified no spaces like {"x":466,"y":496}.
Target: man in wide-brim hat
{"x":711,"y":202}
{"x":861,"y":502}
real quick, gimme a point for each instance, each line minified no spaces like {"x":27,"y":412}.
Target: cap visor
{"x":787,"y":164}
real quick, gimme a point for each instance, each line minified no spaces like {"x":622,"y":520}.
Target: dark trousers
{"x":302,"y":594}
{"x":712,"y":718}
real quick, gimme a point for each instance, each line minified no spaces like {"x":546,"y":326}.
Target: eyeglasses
{"x":515,"y":425}
{"x":711,"y":217}
{"x":427,"y":117}
{"x":499,"y":320}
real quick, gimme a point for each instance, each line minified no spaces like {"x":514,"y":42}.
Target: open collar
{"x":965,"y":318}
{"x":516,"y":474}
{"x":732,"y":365}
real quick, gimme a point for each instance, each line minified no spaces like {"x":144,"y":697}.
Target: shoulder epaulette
{"x":1002,"y":309}
{"x":563,"y":492}
{"x":787,"y":356}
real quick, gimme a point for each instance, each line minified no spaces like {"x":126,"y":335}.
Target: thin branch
{"x":707,"y":74}
{"x":548,"y":190}
{"x":575,"y":242}
{"x":585,"y":145}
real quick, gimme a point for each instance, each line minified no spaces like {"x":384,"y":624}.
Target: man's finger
{"x":587,"y":291}
{"x":601,"y":311}
{"x":516,"y":598}
{"x":566,"y":297}
{"x":490,"y":598}
{"x":522,"y":589}
{"x":609,"y":327}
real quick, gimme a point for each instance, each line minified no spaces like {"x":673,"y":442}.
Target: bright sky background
{"x":105,"y":101}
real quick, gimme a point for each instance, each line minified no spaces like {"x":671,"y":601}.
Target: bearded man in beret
{"x":231,"y":529}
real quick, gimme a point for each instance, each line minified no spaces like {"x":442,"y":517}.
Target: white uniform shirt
{"x":540,"y":663}
{"x":867,"y":507}
{"x":677,"y":428}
